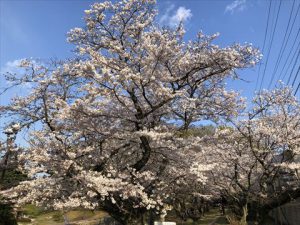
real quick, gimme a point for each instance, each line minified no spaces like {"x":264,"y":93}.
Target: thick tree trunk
{"x":146,"y":154}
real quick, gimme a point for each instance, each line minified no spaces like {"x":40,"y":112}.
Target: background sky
{"x":38,"y":28}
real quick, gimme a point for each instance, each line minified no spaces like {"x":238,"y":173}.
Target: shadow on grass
{"x":221,"y":220}
{"x":41,"y":217}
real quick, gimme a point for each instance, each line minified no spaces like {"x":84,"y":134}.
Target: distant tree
{"x":110,"y":119}
{"x":258,"y":158}
{"x":9,"y":174}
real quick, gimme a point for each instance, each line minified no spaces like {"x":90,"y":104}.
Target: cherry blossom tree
{"x":257,"y":156}
{"x":108,"y":123}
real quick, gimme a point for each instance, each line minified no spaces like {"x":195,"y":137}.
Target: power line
{"x":298,"y":83}
{"x":289,"y":54}
{"x":293,"y":67}
{"x":297,"y":89}
{"x":272,"y":38}
{"x":284,"y":42}
{"x":295,"y":63}
{"x":295,"y":77}
{"x":263,"y":49}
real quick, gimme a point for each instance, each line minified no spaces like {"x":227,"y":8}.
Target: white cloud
{"x":14,"y":68}
{"x":11,"y":66}
{"x":173,"y":18}
{"x":182,"y":14}
{"x":236,"y":5}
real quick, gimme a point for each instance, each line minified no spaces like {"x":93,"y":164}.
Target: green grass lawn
{"x":79,"y":217}
{"x":86,"y":217}
{"x":213,"y":217}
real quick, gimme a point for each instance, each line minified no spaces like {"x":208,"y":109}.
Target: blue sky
{"x":37,"y":29}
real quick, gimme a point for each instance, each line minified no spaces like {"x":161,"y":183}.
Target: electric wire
{"x":295,"y":63}
{"x":284,"y":42}
{"x":289,"y":55}
{"x":295,"y":78}
{"x":270,"y":47}
{"x":265,"y":37}
{"x":298,"y":83}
